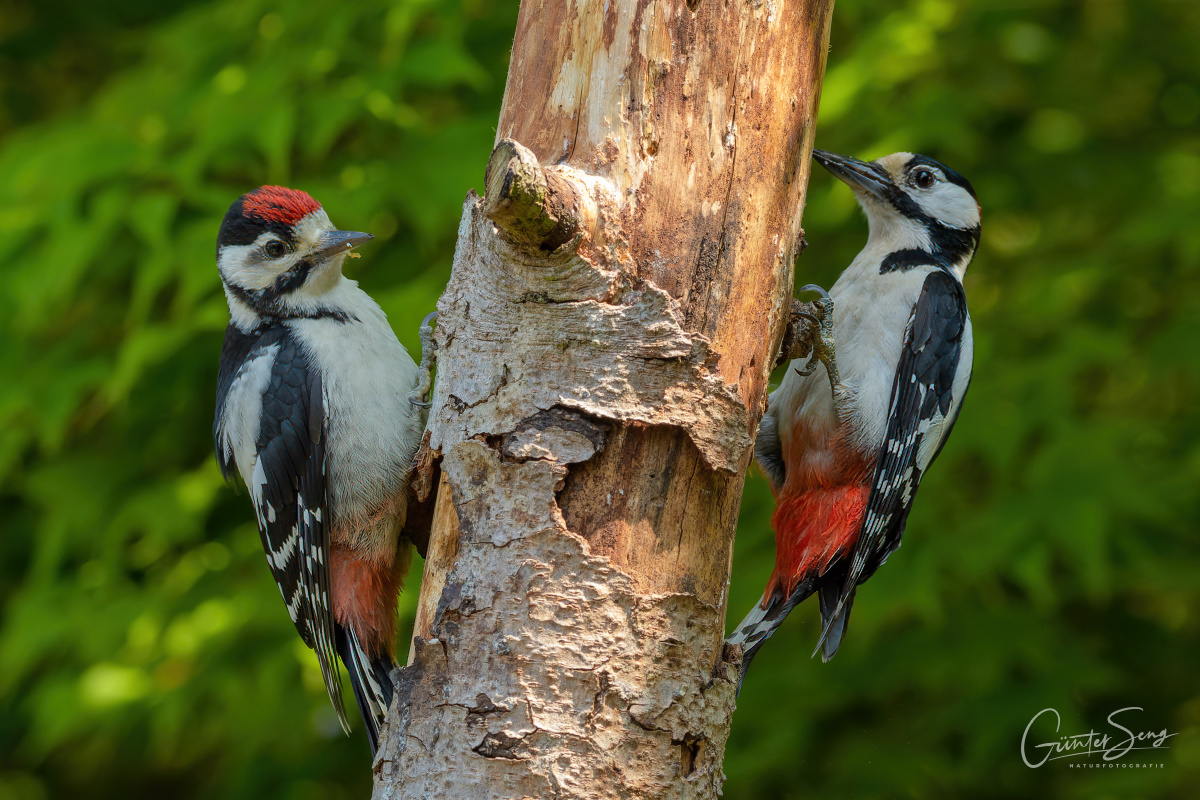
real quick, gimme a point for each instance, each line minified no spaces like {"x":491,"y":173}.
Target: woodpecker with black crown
{"x":848,"y":436}
{"x":314,"y":413}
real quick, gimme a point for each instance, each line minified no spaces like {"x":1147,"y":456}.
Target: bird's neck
{"x":902,"y":243}
{"x":250,"y":311}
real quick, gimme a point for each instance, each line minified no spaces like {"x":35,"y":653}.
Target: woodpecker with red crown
{"x":317,"y":411}
{"x":892,"y":338}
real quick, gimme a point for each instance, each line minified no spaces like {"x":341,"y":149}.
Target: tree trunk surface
{"x":604,"y":344}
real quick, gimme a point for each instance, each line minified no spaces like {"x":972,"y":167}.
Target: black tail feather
{"x":829,"y":596}
{"x":370,"y":677}
{"x":753,"y":631}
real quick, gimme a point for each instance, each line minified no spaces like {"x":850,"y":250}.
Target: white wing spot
{"x":282,"y":555}
{"x":293,"y":605}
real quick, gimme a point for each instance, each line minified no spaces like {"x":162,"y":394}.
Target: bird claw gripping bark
{"x":419,"y":396}
{"x":821,"y":341}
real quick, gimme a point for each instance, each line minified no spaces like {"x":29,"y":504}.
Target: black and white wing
{"x":927,"y":392}
{"x":287,"y":483}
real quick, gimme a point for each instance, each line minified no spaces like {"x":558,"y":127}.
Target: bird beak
{"x":861,"y":175}
{"x":334,"y":243}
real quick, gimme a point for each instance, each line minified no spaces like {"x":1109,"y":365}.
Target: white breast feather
{"x":372,"y":429}
{"x":871,"y":314}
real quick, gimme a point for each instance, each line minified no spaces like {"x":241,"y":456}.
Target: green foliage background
{"x":1051,"y":560}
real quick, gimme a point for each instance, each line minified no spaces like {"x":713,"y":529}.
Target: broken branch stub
{"x":536,"y":208}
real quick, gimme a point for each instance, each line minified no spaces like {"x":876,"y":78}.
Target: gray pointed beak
{"x":340,"y":242}
{"x":867,"y":177}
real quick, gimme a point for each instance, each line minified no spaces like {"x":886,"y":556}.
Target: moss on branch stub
{"x":534,"y":207}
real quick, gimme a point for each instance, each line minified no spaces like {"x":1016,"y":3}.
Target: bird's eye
{"x":923,"y":178}
{"x":274,"y":249}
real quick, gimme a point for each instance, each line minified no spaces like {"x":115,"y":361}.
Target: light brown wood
{"x":618,"y":298}
{"x":438,"y":560}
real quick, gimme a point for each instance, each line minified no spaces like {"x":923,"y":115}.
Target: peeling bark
{"x":618,"y":296}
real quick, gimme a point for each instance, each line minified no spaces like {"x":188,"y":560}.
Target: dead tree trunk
{"x":605,"y":341}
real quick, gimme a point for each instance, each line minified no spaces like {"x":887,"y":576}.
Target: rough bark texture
{"x":617,"y":301}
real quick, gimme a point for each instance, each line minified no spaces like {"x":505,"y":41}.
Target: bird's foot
{"x":818,"y":340}
{"x":420,"y":395}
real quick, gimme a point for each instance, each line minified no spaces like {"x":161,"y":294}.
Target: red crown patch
{"x":278,"y":204}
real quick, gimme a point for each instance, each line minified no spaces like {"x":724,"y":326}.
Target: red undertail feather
{"x":811,"y":529}
{"x":365,"y":593}
{"x":278,"y":204}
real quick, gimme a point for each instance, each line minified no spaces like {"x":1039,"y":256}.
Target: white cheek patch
{"x":951,"y":205}
{"x":244,"y":265}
